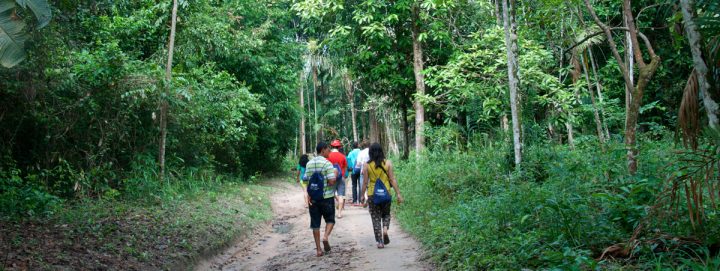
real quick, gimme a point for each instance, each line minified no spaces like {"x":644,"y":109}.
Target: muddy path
{"x":287,"y":244}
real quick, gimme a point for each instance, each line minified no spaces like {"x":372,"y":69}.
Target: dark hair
{"x":304,"y":159}
{"x":354,"y":145}
{"x":377,"y":155}
{"x":365,"y":143}
{"x":321,"y":146}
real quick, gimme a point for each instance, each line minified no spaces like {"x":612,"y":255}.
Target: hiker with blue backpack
{"x":320,"y":174}
{"x":380,"y":178}
{"x":354,"y":171}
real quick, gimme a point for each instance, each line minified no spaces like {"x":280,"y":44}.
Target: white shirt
{"x":362,"y":158}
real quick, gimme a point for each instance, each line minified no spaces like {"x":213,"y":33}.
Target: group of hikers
{"x":323,"y":179}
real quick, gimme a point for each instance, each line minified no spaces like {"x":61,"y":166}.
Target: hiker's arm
{"x":393,"y":181}
{"x":365,"y":182}
{"x":308,"y":202}
{"x":331,"y":174}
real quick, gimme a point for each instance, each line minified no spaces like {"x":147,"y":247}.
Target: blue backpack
{"x":316,"y":187}
{"x":381,"y":195}
{"x":340,"y":173}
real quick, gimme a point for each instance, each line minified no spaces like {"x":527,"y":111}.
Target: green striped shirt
{"x":320,"y":164}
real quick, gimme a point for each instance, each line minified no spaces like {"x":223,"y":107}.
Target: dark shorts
{"x":325,"y":209}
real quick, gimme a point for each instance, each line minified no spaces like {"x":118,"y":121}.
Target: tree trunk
{"x":419,"y":82}
{"x":631,"y":69}
{"x":570,"y":135}
{"x":363,"y":122}
{"x":504,"y":122}
{"x":354,"y":120}
{"x":406,"y":132}
{"x":350,"y":93}
{"x":315,"y":90}
{"x":701,"y":69}
{"x":498,"y":16}
{"x":374,"y":130}
{"x":392,"y":144}
{"x":647,"y":70}
{"x":311,"y":142}
{"x":646,"y":73}
{"x":598,"y":87}
{"x":575,"y":76}
{"x":323,"y":104}
{"x":596,"y":113}
{"x":303,"y":146}
{"x":168,"y":80}
{"x":513,"y":71}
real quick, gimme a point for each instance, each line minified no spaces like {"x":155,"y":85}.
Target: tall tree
{"x":303,"y":146}
{"x":168,"y":85}
{"x":701,"y":68}
{"x":511,"y":37}
{"x":646,"y":71}
{"x":350,"y":94}
{"x":419,"y":80}
{"x":596,"y":111}
{"x":316,"y":127}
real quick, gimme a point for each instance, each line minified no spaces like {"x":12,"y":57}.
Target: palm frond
{"x":588,"y":37}
{"x":688,"y":117}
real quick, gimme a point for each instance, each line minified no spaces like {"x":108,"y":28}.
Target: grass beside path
{"x":162,"y":232}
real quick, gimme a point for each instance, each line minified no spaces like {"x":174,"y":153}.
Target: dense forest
{"x":540,"y":134}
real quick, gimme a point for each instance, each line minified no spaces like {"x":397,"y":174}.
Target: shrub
{"x":561,"y":210}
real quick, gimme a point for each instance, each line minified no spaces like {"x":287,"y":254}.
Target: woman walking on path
{"x":380,"y":177}
{"x":300,"y":173}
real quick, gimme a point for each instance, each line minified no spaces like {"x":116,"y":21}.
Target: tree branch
{"x":611,"y":42}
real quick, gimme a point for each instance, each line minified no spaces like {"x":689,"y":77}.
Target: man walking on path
{"x":355,"y":172}
{"x":324,"y":208}
{"x":337,"y":159}
{"x":362,"y":159}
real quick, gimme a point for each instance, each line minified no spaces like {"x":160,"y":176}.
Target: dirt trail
{"x":287,"y":243}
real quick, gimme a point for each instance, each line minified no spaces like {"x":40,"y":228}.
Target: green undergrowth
{"x":159,"y":226}
{"x":473,"y":211}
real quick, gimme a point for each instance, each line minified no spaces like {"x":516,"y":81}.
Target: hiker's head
{"x":304,"y":160}
{"x":354,"y":145}
{"x":336,"y":144}
{"x":365,"y":143}
{"x":376,"y":154}
{"x":323,"y":149}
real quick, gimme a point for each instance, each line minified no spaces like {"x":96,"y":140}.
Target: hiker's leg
{"x":341,"y":196}
{"x":386,"y":215}
{"x":328,"y":208}
{"x":376,"y":216}
{"x":316,"y":236}
{"x":315,"y":216}
{"x":355,"y":187}
{"x":328,"y":230}
{"x":361,"y":181}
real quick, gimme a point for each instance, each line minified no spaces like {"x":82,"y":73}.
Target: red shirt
{"x":339,"y":159}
